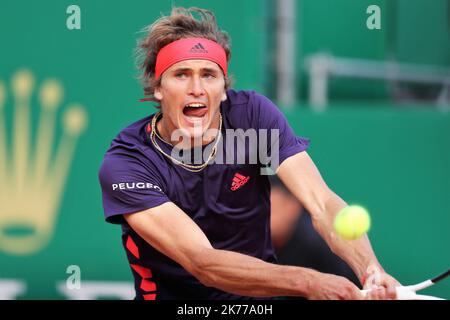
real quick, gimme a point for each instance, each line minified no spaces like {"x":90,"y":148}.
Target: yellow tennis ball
{"x":352,"y":222}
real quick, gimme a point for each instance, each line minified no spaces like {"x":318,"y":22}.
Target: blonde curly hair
{"x":180,"y":24}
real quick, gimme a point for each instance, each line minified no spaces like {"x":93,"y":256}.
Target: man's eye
{"x":208,"y":75}
{"x":180,"y":75}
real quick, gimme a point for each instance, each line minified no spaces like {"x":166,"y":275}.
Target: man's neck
{"x":165,"y":131}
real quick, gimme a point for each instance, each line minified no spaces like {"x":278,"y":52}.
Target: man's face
{"x":190,"y":94}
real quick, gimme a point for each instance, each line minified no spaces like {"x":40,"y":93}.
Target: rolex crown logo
{"x":33,"y":170}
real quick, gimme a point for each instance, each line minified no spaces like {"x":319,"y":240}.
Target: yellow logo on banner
{"x":32,"y":172}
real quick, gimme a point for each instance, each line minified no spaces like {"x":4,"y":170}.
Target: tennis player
{"x":199,"y":227}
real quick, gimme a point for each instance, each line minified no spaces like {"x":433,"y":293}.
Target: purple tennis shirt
{"x":230,"y":201}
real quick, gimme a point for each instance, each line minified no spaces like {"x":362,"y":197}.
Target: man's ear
{"x":158,"y":94}
{"x":224,"y":95}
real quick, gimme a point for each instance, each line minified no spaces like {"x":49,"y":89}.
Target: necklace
{"x":189,"y":167}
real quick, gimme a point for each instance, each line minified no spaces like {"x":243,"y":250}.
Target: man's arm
{"x":303,"y":179}
{"x":168,"y":229}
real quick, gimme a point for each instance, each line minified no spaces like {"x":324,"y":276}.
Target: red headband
{"x":190,"y":48}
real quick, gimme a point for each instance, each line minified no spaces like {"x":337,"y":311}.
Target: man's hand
{"x":381,"y":285}
{"x":331,"y":287}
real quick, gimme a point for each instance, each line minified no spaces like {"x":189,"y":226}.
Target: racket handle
{"x":420,"y":286}
{"x":364,"y":292}
{"x":424,"y":297}
{"x":408,"y":292}
{"x":403,"y":293}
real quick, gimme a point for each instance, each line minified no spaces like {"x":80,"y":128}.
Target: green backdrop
{"x":396,"y":162}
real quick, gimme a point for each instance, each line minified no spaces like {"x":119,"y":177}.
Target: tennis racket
{"x":409,"y":292}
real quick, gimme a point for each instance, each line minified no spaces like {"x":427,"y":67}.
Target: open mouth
{"x":195,"y":111}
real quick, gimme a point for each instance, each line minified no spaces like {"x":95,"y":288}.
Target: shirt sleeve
{"x":128,"y":186}
{"x":281,"y":141}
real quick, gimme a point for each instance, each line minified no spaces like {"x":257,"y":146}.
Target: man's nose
{"x":196,"y":87}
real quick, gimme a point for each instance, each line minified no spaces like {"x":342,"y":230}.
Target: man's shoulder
{"x":243,"y":97}
{"x":131,"y":142}
{"x":244,"y":108}
{"x":132,"y":135}
{"x":250,"y":100}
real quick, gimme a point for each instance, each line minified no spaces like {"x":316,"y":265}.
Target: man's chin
{"x":195,"y":129}
{"x":194,"y":122}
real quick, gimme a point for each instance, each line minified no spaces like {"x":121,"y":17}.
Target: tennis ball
{"x":352,"y":222}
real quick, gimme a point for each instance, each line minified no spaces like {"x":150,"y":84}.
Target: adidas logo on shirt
{"x":238,"y":181}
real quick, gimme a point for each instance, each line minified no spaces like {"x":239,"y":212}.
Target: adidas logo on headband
{"x":198,"y":48}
